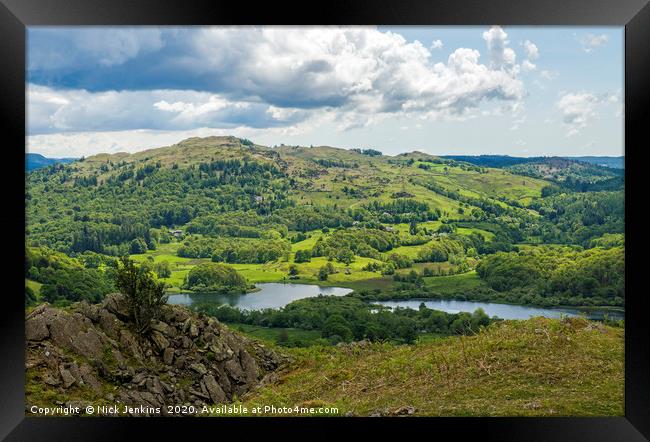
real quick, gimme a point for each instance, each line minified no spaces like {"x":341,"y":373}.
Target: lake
{"x":270,"y":295}
{"x":503,"y":311}
{"x":276,"y":295}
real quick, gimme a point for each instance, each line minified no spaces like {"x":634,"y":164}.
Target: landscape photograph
{"x":345,"y":221}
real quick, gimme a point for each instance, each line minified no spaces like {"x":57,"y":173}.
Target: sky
{"x":444,"y":90}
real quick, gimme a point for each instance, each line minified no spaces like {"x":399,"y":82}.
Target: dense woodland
{"x":349,"y":318}
{"x":544,"y":232}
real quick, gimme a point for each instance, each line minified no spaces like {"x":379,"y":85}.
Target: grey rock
{"x":51,"y":380}
{"x":168,"y":356}
{"x":199,"y":368}
{"x":163,"y":328}
{"x":194,"y":330}
{"x":36,"y":329}
{"x":116,"y":304}
{"x":160,"y":341}
{"x":66,"y":377}
{"x":215,"y":391}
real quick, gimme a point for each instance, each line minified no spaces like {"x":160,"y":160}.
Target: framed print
{"x":325,"y":222}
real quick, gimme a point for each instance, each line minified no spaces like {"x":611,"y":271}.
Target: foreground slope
{"x":538,"y":367}
{"x":88,"y":355}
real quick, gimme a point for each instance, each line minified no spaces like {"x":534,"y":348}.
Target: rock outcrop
{"x":91,"y":352}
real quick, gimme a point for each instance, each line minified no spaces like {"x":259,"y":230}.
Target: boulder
{"x":199,"y":368}
{"x":109,"y":323}
{"x":168,"y":356}
{"x":116,"y":304}
{"x":214,"y":390}
{"x":66,"y":377}
{"x":36,"y":329}
{"x":163,"y":328}
{"x":161,"y":342}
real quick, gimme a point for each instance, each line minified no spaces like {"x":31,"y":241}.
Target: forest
{"x":221,"y":214}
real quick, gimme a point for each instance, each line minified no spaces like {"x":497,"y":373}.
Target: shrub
{"x":144,"y":295}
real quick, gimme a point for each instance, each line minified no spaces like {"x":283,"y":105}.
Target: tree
{"x":137,"y":246}
{"x":413,"y":227}
{"x":293,"y":270}
{"x":302,"y":256}
{"x":144,"y":295}
{"x":163,"y":270}
{"x":323,"y":273}
{"x":30,"y":297}
{"x":345,"y":256}
{"x":214,"y":277}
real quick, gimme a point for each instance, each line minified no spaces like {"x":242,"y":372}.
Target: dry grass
{"x":538,"y":367}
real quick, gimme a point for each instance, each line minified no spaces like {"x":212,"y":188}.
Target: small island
{"x":213,"y":277}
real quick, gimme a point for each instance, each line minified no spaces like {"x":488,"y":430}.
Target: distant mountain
{"x":492,"y":160}
{"x":506,"y":160}
{"x":36,"y":161}
{"x":612,"y":162}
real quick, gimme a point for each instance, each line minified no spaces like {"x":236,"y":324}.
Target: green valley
{"x":222,"y":215}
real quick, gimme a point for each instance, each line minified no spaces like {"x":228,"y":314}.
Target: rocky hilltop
{"x":88,"y":354}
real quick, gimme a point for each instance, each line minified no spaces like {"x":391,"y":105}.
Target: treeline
{"x":138,"y":197}
{"x":369,"y":243}
{"x":66,"y":279}
{"x":402,"y":210}
{"x":458,"y":246}
{"x":593,"y":276}
{"x":244,"y":251}
{"x":337,"y":163}
{"x":368,"y":152}
{"x":216,"y":278}
{"x":238,"y":224}
{"x":348,"y":318}
{"x":577,"y":218}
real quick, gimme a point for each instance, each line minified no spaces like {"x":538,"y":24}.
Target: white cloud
{"x":73,"y":110}
{"x":527,"y":66}
{"x":501,"y":56}
{"x":74,"y":48}
{"x":78,"y":144}
{"x":282,"y":76}
{"x":590,"y":42}
{"x":549,"y":75}
{"x":436,"y":44}
{"x":532,"y":52}
{"x":580,"y":108}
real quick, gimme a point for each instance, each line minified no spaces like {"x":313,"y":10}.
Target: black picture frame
{"x":16,"y":15}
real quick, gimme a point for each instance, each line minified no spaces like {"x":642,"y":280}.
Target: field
{"x":273,"y":335}
{"x":454,"y":283}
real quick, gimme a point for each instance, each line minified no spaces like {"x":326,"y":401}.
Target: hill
{"x":538,"y":367}
{"x":197,"y":177}
{"x":507,"y":160}
{"x":36,"y":161}
{"x":613,"y":162}
{"x":348,"y":217}
{"x":492,"y":160}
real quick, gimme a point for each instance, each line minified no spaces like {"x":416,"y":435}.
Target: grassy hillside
{"x":371,"y":177}
{"x":538,"y":367}
{"x":370,"y":218}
